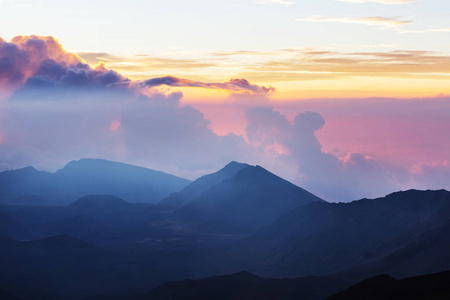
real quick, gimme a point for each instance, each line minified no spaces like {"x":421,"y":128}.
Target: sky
{"x":348,"y":98}
{"x":305,"y":48}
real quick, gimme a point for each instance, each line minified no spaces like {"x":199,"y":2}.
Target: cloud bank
{"x":63,"y":109}
{"x":35,"y":62}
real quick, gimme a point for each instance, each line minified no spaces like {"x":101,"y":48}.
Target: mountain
{"x":64,"y":265}
{"x":241,"y":286}
{"x":201,"y":185}
{"x":50,"y":264}
{"x":322,"y":238}
{"x":245,"y":285}
{"x":99,"y":204}
{"x":23,"y":185}
{"x":87,"y":177}
{"x":9,"y":227}
{"x":7,"y":296}
{"x":250,"y":199}
{"x":434,"y":286}
{"x":106,"y":246}
{"x":428,"y":253}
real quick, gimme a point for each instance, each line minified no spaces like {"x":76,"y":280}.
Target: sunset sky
{"x":375,"y":71}
{"x":320,"y":48}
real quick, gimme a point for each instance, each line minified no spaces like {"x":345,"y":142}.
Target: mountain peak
{"x":246,"y":201}
{"x":202,"y":184}
{"x":245,"y":276}
{"x":255,"y":173}
{"x":233,"y":168}
{"x":233,"y":164}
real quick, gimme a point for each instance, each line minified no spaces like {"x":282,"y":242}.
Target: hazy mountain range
{"x":105,"y":230}
{"x":85,"y":177}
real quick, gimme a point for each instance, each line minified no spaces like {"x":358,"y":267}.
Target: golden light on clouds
{"x":371,"y":21}
{"x":297,"y":72}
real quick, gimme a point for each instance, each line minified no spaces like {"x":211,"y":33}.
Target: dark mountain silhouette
{"x":245,"y":285}
{"x":6,"y":296}
{"x":322,"y":238}
{"x":428,"y":253}
{"x":64,"y":265}
{"x":201,"y":185}
{"x":61,"y":244}
{"x":99,"y":204}
{"x":252,"y":198}
{"x":101,"y":220}
{"x":240,"y":218}
{"x":9,"y":227}
{"x":434,"y":286}
{"x":241,"y":286}
{"x":87,"y":177}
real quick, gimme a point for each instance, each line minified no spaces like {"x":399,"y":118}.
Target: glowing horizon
{"x":314,"y":90}
{"x":310,"y":49}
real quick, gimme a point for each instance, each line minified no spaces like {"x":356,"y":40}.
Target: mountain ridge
{"x":252,"y":198}
{"x":202,"y":184}
{"x":86,"y":177}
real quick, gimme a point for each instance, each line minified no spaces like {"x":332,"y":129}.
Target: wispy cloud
{"x":284,"y":2}
{"x":380,"y":1}
{"x":395,"y":23}
{"x":142,"y":63}
{"x":371,"y":21}
{"x":280,"y":65}
{"x":236,"y":85}
{"x":445,"y":29}
{"x":317,"y":65}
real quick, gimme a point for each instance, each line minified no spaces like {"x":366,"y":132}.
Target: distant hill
{"x":322,"y":238}
{"x":425,"y":254}
{"x":102,"y":245}
{"x":86,"y":177}
{"x":241,"y":286}
{"x":202,"y":184}
{"x":250,"y":199}
{"x":69,"y":266}
{"x":435,"y":286}
{"x":23,"y":185}
{"x":9,"y":227}
{"x":244,"y":285}
{"x":63,"y":243}
{"x":7,"y":296}
{"x":99,"y":204}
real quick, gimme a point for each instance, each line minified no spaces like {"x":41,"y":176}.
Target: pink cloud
{"x":41,"y":62}
{"x":115,"y":125}
{"x":340,"y":149}
{"x":235,"y":85}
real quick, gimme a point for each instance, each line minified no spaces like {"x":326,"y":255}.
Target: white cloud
{"x":380,"y":1}
{"x":371,"y":21}
{"x":284,"y":2}
{"x":445,"y":29}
